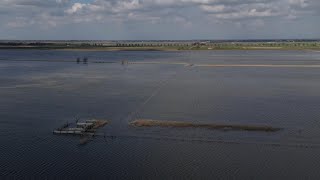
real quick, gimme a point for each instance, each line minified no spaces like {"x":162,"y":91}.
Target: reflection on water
{"x":37,"y":97}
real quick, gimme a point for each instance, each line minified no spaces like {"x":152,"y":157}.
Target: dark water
{"x":36,"y":97}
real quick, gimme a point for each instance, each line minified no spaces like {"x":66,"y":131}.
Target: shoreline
{"x":164,"y":49}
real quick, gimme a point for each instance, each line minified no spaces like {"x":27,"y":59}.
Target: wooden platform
{"x":89,"y":127}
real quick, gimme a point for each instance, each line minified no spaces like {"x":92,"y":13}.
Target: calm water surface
{"x":40,"y":95}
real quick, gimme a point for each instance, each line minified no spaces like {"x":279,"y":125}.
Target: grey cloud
{"x":219,"y":15}
{"x":35,"y":3}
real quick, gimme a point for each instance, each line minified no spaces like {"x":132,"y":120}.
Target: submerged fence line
{"x":135,"y":113}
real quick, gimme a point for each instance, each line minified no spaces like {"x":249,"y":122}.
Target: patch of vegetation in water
{"x":182,"y":124}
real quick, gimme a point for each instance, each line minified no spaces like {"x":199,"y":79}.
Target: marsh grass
{"x":100,"y":123}
{"x":181,"y":124}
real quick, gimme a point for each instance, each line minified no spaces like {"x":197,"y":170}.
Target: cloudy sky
{"x":159,"y":19}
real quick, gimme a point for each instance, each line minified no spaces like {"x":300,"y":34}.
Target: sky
{"x":159,"y":19}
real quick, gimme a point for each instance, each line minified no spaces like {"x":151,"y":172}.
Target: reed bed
{"x":100,"y":123}
{"x":182,"y":124}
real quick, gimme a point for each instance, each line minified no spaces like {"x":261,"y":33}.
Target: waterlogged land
{"x":217,"y":114}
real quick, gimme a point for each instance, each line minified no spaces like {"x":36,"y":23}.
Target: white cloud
{"x":76,"y":7}
{"x":28,"y":14}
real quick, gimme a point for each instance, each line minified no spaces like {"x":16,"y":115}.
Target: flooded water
{"x":41,"y":90}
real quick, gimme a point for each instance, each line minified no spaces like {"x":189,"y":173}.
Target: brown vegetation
{"x":181,"y":124}
{"x":99,"y":123}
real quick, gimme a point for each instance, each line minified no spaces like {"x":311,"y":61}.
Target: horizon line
{"x":253,"y":39}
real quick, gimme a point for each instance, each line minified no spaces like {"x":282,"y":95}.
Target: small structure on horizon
{"x":85,"y":60}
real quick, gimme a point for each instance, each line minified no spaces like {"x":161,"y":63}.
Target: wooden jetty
{"x":89,"y":127}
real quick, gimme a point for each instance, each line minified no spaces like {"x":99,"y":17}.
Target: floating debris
{"x":181,"y":124}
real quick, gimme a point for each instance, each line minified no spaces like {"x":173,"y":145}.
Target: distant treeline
{"x":133,"y":44}
{"x":170,"y":45}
